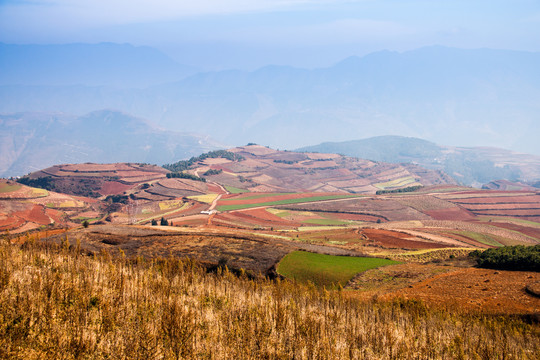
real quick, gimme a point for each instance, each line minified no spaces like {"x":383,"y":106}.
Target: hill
{"x":119,"y":65}
{"x":469,"y":166}
{"x":32,"y":141}
{"x":262,"y":169}
{"x":445,"y":95}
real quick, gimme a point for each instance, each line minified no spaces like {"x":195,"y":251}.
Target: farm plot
{"x":383,"y":209}
{"x":327,"y":271}
{"x":274,"y":200}
{"x":501,"y":235}
{"x":398,"y":240}
{"x":476,"y":290}
{"x":397,"y":183}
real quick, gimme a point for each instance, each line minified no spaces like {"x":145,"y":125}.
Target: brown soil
{"x":530,"y":231}
{"x":454,"y":213}
{"x":477,"y":290}
{"x":393,"y":239}
{"x":113,"y":187}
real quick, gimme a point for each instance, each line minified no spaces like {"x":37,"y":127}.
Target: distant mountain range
{"x":33,"y":141}
{"x":117,"y":65}
{"x":446,"y":95}
{"x":470,"y":166}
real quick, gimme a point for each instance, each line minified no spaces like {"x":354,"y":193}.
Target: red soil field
{"x":36,"y":215}
{"x":454,"y":213}
{"x":264,"y":216}
{"x":393,"y":239}
{"x":257,"y":217}
{"x":213,"y":188}
{"x":535,"y":199}
{"x":510,"y":206}
{"x":10,"y":223}
{"x":477,"y":290}
{"x":113,"y":188}
{"x":513,"y":212}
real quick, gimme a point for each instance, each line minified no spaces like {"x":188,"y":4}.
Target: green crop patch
{"x":235,"y":190}
{"x":282,"y":202}
{"x":6,"y":188}
{"x":326,"y":270}
{"x":326,"y":222}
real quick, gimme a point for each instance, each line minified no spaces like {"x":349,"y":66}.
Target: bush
{"x":519,"y":257}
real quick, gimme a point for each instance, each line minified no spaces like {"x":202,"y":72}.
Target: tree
{"x":85,"y":224}
{"x":164,"y":222}
{"x":154,"y":222}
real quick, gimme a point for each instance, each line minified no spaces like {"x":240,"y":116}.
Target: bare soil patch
{"x":478,"y":290}
{"x":394,"y":239}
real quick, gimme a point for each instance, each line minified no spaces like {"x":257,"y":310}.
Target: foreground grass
{"x":57,"y":304}
{"x":326,"y":270}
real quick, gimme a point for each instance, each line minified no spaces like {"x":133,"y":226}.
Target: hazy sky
{"x":250,"y":33}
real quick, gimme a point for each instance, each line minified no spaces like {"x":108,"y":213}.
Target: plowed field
{"x":394,"y":239}
{"x":477,"y":290}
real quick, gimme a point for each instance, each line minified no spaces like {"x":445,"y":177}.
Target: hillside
{"x":25,"y":209}
{"x":32,"y":141}
{"x":262,"y":169}
{"x":469,"y":166}
{"x":446,"y":95}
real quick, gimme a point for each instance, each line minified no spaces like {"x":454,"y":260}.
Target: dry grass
{"x":58,"y":304}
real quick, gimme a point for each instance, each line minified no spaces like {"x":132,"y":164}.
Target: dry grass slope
{"x":58,"y":304}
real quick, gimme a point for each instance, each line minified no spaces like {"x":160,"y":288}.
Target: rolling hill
{"x":262,"y":169}
{"x":33,"y":141}
{"x":470,"y":166}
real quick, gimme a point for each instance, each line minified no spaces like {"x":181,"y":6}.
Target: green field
{"x":409,"y":181}
{"x":326,"y":270}
{"x":235,"y":190}
{"x":282,"y":202}
{"x":6,"y":188}
{"x":481,"y":238}
{"x":326,"y":222}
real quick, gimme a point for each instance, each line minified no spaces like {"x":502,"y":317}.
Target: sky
{"x":246,"y":34}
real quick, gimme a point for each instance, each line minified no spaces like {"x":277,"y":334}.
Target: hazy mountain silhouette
{"x":119,"y":65}
{"x":469,"y":166}
{"x":450,"y":96}
{"x":32,"y":141}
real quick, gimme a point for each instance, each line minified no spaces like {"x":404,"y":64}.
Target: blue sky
{"x":215,"y":34}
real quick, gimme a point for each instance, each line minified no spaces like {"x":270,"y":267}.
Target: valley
{"x":248,"y":207}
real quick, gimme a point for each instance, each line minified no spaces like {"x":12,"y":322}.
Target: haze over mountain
{"x":469,"y":166}
{"x":119,"y":65}
{"x":33,"y":141}
{"x":452,"y":96}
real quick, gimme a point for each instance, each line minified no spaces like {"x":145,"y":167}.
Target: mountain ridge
{"x":468,"y":165}
{"x":446,"y":95}
{"x":32,"y":141}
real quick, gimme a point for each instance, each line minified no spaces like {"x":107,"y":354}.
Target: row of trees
{"x":186,"y":164}
{"x":162,"y":222}
{"x":402,"y":190}
{"x":184,"y":175}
